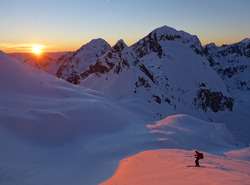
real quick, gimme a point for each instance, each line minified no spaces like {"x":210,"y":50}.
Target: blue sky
{"x":63,"y":25}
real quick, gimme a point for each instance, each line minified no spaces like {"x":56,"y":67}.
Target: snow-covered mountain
{"x":166,"y":68}
{"x":165,"y":73}
{"x":53,"y":132}
{"x":232,"y":63}
{"x":72,"y":63}
{"x":159,"y":93}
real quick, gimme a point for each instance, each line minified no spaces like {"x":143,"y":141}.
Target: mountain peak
{"x":167,"y":33}
{"x":95,"y":43}
{"x":209,"y":48}
{"x":98,"y":40}
{"x":176,"y":34}
{"x":121,"y":42}
{"x":166,"y":30}
{"x":159,"y":38}
{"x":119,"y":46}
{"x":73,"y":63}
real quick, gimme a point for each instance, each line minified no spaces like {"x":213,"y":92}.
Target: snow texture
{"x":172,"y":166}
{"x":145,"y":108}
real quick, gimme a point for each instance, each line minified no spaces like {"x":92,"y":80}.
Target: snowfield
{"x":50,"y":128}
{"x":174,"y":166}
{"x":182,"y":131}
{"x":56,"y":133}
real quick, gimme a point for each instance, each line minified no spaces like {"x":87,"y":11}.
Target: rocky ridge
{"x":166,"y":68}
{"x":231,"y":62}
{"x":73,"y":63}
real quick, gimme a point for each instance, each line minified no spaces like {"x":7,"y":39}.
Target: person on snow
{"x":198,"y":156}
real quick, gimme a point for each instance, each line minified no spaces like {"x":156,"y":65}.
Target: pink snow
{"x":176,"y":167}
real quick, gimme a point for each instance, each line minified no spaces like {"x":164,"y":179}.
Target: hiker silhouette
{"x":198,"y":156}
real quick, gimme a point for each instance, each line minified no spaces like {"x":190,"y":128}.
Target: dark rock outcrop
{"x":214,"y":100}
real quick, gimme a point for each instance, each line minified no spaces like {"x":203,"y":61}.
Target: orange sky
{"x":66,"y":25}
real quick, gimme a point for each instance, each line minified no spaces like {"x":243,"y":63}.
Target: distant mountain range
{"x":44,"y":61}
{"x":167,"y":71}
{"x":167,"y":67}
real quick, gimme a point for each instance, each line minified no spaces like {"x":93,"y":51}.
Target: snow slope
{"x":32,"y":98}
{"x":185,"y":131}
{"x":175,"y":167}
{"x":52,"y":132}
{"x":50,"y":128}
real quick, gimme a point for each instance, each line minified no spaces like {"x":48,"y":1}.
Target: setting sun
{"x":36,"y":50}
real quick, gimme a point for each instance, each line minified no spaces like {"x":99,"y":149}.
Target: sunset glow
{"x":124,"y":92}
{"x":36,"y":50}
{"x":70,"y":33}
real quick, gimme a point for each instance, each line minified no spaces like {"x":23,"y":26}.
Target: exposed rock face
{"x":147,"y":45}
{"x":214,"y":100}
{"x":115,"y":60}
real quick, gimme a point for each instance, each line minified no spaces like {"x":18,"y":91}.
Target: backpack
{"x":201,"y":156}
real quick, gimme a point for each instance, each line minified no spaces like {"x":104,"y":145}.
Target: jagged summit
{"x":241,"y":48}
{"x":212,"y":44}
{"x":121,"y":42}
{"x":115,"y":61}
{"x":119,"y":46}
{"x":208,"y":48}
